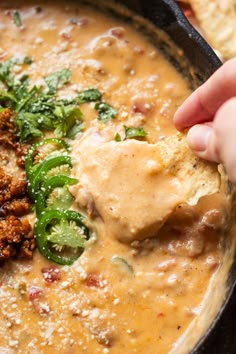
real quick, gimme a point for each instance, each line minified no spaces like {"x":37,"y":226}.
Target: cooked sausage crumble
{"x":16,"y":235}
{"x":9,"y":139}
{"x":16,"y":238}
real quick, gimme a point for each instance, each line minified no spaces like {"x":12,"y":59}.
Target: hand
{"x":210,"y":113}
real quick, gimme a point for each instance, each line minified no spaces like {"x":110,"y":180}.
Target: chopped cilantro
{"x":7,"y":98}
{"x":57,"y":79}
{"x":76,"y":129}
{"x":90,"y":95}
{"x":17,"y":19}
{"x":28,"y":60}
{"x":37,"y":109}
{"x":27,"y":126}
{"x":69,"y":120}
{"x":5,"y":73}
{"x":105,"y":112}
{"x":131,"y":132}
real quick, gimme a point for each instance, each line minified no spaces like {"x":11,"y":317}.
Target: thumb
{"x":216,"y":141}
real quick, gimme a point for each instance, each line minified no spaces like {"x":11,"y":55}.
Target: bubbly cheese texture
{"x":135,"y":186}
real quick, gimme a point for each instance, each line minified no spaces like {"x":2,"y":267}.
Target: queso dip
{"x":143,"y":276}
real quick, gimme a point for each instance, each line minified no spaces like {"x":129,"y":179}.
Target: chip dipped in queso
{"x":111,"y":230}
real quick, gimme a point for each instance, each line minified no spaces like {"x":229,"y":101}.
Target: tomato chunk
{"x":51,"y":274}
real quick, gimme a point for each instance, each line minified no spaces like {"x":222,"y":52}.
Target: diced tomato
{"x":118,"y":32}
{"x":160,"y":314}
{"x":138,"y":50}
{"x":36,"y":296}
{"x":34,"y":292}
{"x":93,"y":279}
{"x":141,"y":107}
{"x":66,"y":36}
{"x":42,"y":308}
{"x":51,"y":274}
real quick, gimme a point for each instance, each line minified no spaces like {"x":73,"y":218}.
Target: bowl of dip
{"x":133,"y":232}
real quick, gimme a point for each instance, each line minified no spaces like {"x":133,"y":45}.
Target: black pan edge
{"x":166,"y":15}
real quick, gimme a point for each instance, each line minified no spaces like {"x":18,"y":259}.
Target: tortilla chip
{"x":217,"y":18}
{"x":136,"y":186}
{"x":197,"y":176}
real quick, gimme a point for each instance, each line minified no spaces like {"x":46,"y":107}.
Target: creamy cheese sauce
{"x":131,"y":291}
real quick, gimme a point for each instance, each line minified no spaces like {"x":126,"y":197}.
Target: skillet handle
{"x":167,"y":15}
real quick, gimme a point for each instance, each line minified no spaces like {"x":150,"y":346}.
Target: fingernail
{"x":198,"y":137}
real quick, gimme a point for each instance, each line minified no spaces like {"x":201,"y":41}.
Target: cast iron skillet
{"x":166,"y":15}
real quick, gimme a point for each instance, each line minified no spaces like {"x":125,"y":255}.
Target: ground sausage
{"x":16,"y":235}
{"x":16,"y":238}
{"x":8,"y":135}
{"x":17,"y":207}
{"x":21,"y":151}
{"x":10,"y":188}
{"x":9,"y":138}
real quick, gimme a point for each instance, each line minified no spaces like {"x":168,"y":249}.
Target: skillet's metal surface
{"x":165,"y":14}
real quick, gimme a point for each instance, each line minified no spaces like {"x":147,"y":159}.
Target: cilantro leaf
{"x":17,"y":19}
{"x":27,"y":60}
{"x":90,"y":95}
{"x":131,"y":132}
{"x":27,"y":125}
{"x":37,"y":110}
{"x":105,"y":112}
{"x":76,"y":129}
{"x":5,"y":73}
{"x":7,"y":99}
{"x":57,"y":79}
{"x":69,"y":117}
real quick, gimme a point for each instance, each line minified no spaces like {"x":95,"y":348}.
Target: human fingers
{"x":217,"y":141}
{"x":202,"y":105}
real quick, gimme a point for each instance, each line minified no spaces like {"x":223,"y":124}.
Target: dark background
{"x":222,"y":340}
